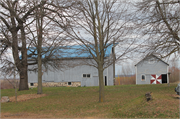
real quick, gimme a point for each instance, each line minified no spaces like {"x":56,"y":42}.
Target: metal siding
{"x":96,"y":80}
{"x":56,"y":76}
{"x":66,"y":75}
{"x":110,"y":75}
{"x":44,"y":76}
{"x":83,"y":83}
{"x":50,"y":76}
{"x":89,"y":70}
{"x":32,"y":76}
{"x":62,"y":76}
{"x":74,"y":74}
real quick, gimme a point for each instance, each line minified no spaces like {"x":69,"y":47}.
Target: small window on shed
{"x":31,"y":84}
{"x":143,"y":78}
{"x":69,"y":83}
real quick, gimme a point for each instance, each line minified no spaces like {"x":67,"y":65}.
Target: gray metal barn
{"x":152,"y":70}
{"x":85,"y":74}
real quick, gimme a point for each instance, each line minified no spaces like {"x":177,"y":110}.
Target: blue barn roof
{"x":75,"y":51}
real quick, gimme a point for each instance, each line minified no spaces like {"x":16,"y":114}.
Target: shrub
{"x":174,"y":74}
{"x":125,"y":80}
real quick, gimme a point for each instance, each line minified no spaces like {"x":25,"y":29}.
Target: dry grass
{"x":8,"y":83}
{"x":174,"y":74}
{"x":125,"y":80}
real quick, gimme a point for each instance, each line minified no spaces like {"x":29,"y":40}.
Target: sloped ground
{"x":126,"y":101}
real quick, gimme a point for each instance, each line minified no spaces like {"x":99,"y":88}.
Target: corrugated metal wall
{"x":73,"y":74}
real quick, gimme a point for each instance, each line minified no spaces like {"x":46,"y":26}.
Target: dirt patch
{"x":25,"y":115}
{"x":26,"y":97}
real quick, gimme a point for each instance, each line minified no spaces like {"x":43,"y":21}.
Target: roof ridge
{"x":151,"y":54}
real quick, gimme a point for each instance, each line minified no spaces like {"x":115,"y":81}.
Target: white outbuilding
{"x":152,"y":70}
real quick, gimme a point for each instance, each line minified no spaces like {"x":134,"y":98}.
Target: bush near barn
{"x":125,"y":80}
{"x":174,"y":74}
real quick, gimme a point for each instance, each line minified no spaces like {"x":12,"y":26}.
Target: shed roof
{"x":153,"y":56}
{"x":75,"y":51}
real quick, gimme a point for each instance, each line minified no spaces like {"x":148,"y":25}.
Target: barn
{"x":77,"y":74}
{"x":152,"y":70}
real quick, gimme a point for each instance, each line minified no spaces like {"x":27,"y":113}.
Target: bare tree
{"x":39,"y":27}
{"x":158,"y":23}
{"x":13,"y":15}
{"x":96,"y":25}
{"x":174,"y":71}
{"x":43,"y":34}
{"x":127,"y":70}
{"x":27,"y":19}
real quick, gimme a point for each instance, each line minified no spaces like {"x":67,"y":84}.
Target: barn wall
{"x":73,"y":74}
{"x":146,"y":68}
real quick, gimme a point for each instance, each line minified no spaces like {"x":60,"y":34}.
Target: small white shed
{"x":151,"y":70}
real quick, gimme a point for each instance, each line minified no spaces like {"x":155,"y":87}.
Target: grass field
{"x":125,"y":101}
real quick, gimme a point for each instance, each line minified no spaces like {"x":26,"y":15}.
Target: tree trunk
{"x":15,"y":86}
{"x":39,"y":63}
{"x":23,"y":79}
{"x":24,"y":67}
{"x":101,"y":83}
{"x":39,"y":73}
{"x":39,"y":47}
{"x":21,"y":65}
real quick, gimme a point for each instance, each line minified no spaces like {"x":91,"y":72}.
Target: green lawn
{"x":125,"y":101}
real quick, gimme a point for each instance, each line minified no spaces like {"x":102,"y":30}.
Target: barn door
{"x":105,"y":80}
{"x":164,"y":78}
{"x":156,"y":79}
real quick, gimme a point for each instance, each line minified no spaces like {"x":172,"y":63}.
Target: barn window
{"x":143,"y":78}
{"x":69,"y":83}
{"x":31,"y":84}
{"x":86,"y":75}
